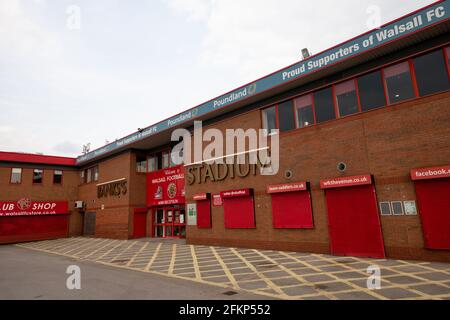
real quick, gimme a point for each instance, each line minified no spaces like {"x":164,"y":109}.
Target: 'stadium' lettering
{"x":114,"y":189}
{"x":216,"y":172}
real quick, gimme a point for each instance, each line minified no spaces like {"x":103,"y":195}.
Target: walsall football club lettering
{"x":113,"y":189}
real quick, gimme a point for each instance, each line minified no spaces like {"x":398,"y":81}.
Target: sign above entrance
{"x":26,"y":207}
{"x":166,"y":187}
{"x":201,"y":196}
{"x":346,"y":182}
{"x":288,"y":187}
{"x":236,"y":193}
{"x":430,"y":173}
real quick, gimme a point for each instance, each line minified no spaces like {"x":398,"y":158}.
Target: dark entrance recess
{"x":89,"y":224}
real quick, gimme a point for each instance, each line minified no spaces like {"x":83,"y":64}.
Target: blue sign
{"x":393,"y":31}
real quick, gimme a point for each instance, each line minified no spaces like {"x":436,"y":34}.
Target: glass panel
{"x":447,"y":50}
{"x":152,"y":167}
{"x":177,"y":217}
{"x":431,"y":73}
{"x":177,"y":231}
{"x":57,"y":177}
{"x":37,"y":175}
{"x":286,"y":116}
{"x":168,"y":232}
{"x":346,"y":98}
{"x":165,"y":160}
{"x":95,"y":175}
{"x":371,"y":91}
{"x":159,"y":217}
{"x":324,"y":105}
{"x":169,"y":217}
{"x":398,"y":82}
{"x":141,"y":164}
{"x":270,"y":119}
{"x":304,"y":109}
{"x":88,"y":176}
{"x":16,"y":175}
{"x":159,"y":232}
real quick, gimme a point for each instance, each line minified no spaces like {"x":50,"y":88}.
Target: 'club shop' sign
{"x":26,"y":207}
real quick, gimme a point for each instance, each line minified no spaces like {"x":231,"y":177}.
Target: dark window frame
{"x":11,"y":175}
{"x":42,"y":177}
{"x":62,"y":177}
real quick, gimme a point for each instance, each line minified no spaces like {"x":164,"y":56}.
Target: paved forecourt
{"x":274,"y":274}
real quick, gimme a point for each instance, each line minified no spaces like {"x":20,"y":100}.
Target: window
{"x":371,"y":91}
{"x":165,"y":159}
{"x":16,"y":175}
{"x":91,"y":174}
{"x":270,"y":119}
{"x":346,"y":98}
{"x":152,"y":164}
{"x":399,"y":83}
{"x":57,"y":177}
{"x":304,"y":110}
{"x":286,"y":116}
{"x":82,"y":176}
{"x":447,"y":53}
{"x":141,"y":163}
{"x":324,"y":105}
{"x":38,"y":176}
{"x":431,"y":73}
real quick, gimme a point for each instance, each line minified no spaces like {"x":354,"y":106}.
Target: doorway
{"x":169,"y":222}
{"x":89,"y":224}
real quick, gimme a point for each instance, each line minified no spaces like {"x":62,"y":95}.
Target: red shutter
{"x":433,"y":197}
{"x":204,"y":214}
{"x":239,"y":209}
{"x":292,"y":210}
{"x":353,"y":219}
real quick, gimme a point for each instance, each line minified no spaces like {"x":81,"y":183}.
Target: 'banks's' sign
{"x":362,"y":44}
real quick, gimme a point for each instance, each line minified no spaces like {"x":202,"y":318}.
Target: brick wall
{"x":46,"y":191}
{"x":387,"y":143}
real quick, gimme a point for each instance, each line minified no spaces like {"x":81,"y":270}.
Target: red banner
{"x":346,"y":182}
{"x":26,"y":207}
{"x":166,"y":187}
{"x":287,"y":187}
{"x":236,"y":193}
{"x":430,"y":173}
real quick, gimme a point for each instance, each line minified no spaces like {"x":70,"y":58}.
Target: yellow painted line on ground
{"x":123,"y":251}
{"x":90,"y":248}
{"x":155,"y":254}
{"x":137,"y":253}
{"x":370,"y":292}
{"x":229,"y":275}
{"x":271,"y":285}
{"x":109,"y":243}
{"x":110,"y":250}
{"x":195,"y":263}
{"x":296,"y":276}
{"x":172,"y":261}
{"x":79,"y":245}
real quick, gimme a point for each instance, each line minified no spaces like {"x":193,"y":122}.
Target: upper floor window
{"x":141,"y":163}
{"x":16,"y":175}
{"x":166,"y":161}
{"x":91,"y":174}
{"x":431,"y":73}
{"x":152,"y":163}
{"x":38,"y":176}
{"x":304,"y":110}
{"x":346,"y":98}
{"x":371,"y":91}
{"x":399,"y":83}
{"x":57,"y":177}
{"x":286,"y":116}
{"x":324,"y":105}
{"x":270,"y":119}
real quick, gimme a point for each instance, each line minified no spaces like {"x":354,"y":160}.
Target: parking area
{"x":273,"y":274}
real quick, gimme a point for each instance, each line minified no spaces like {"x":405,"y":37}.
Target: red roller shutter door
{"x":140,"y":223}
{"x":203,"y":210}
{"x":433,"y":197}
{"x":239,"y":209}
{"x":353,"y":219}
{"x":291,"y":206}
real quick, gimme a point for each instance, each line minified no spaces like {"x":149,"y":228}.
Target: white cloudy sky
{"x":133,"y":63}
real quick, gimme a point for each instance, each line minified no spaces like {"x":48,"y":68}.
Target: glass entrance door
{"x":170,"y":222}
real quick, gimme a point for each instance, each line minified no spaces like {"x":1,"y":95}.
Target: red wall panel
{"x":354,"y":222}
{"x":30,"y":228}
{"x":239,"y":212}
{"x":433,"y":198}
{"x":204,"y":214}
{"x":292,"y":210}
